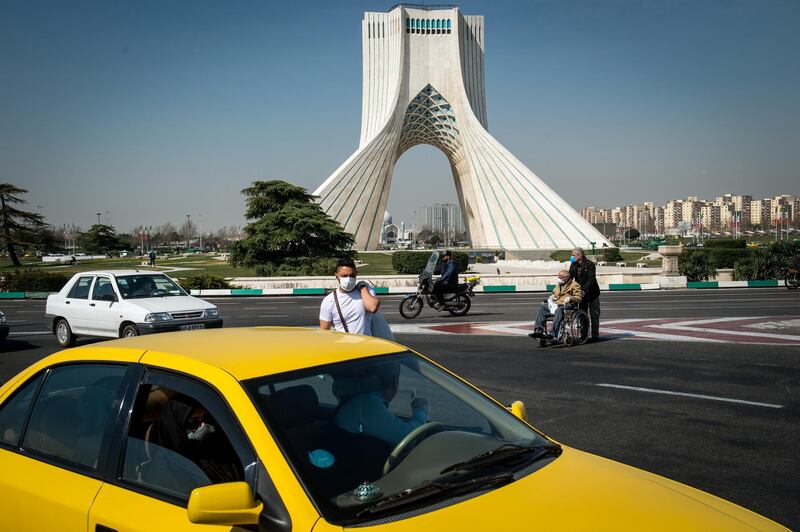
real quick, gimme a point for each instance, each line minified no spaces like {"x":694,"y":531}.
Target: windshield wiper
{"x":431,"y":488}
{"x":503,"y":453}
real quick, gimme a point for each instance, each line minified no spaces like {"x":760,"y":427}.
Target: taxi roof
{"x":251,"y":352}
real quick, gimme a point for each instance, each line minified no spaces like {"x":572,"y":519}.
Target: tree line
{"x":287,"y":232}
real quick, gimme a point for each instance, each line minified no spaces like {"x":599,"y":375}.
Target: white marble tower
{"x":424,"y":84}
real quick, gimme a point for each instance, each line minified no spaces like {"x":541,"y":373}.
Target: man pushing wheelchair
{"x":566,"y":297}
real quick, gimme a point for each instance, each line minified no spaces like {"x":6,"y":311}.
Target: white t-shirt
{"x":359,"y":321}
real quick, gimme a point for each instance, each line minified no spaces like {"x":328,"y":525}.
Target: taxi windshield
{"x":363,"y":434}
{"x":144,"y":286}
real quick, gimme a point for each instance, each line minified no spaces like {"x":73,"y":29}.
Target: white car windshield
{"x":144,"y":286}
{"x":382,"y":435}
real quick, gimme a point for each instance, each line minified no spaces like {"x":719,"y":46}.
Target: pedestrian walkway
{"x":753,"y":330}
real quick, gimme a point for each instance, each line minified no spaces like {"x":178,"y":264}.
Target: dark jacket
{"x":586,"y":275}
{"x":449,"y":276}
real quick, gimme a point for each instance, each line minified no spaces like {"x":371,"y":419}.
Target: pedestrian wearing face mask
{"x":349,"y":308}
{"x":565,"y":292}
{"x":584,"y":272}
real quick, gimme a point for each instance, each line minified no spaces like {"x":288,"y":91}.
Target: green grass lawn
{"x":199,"y":264}
{"x":375,"y":263}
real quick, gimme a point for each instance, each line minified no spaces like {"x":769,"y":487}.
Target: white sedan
{"x":125,"y":303}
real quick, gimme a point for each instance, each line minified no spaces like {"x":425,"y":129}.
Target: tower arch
{"x":423,"y":87}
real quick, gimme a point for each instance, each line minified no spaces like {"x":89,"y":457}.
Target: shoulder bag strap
{"x":339,"y":310}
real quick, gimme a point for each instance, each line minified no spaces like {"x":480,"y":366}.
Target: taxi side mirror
{"x":228,"y":504}
{"x":518,"y":409}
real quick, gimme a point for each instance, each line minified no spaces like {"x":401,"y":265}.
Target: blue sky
{"x":152,"y":110}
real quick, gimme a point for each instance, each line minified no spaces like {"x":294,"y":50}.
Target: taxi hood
{"x":580,"y":491}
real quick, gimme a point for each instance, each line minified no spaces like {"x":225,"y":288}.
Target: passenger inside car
{"x":364,"y":404}
{"x":176,"y":445}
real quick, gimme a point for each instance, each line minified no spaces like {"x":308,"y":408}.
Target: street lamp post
{"x":188,"y":222}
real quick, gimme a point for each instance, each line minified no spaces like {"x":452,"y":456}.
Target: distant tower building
{"x":389,"y":231}
{"x":441,"y":218}
{"x":424,"y":84}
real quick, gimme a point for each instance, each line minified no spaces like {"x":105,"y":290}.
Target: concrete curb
{"x":733,"y":284}
{"x":494,"y":289}
{"x":488,"y":289}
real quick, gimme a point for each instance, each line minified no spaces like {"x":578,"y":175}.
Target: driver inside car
{"x":364,"y":405}
{"x":143,"y":287}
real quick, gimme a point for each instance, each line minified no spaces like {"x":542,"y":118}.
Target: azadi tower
{"x":424,"y":84}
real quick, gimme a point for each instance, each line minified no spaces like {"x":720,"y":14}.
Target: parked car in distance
{"x":4,"y":328}
{"x":289,"y":429}
{"x":125,"y":303}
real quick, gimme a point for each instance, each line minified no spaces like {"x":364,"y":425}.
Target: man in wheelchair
{"x":567,"y":293}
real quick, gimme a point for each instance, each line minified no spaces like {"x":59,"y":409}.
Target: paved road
{"x":723,"y":416}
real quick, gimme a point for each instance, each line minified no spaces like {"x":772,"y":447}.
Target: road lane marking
{"x":748,"y":334}
{"x":685,"y":394}
{"x":273,"y":316}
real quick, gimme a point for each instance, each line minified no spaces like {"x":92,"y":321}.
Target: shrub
{"x":413,"y":262}
{"x":697,"y":265}
{"x":785,"y":251}
{"x":297,"y":266}
{"x":612,"y":255}
{"x":727,"y":257}
{"x":204,"y":281}
{"x":729,"y":243}
{"x":35,"y":281}
{"x":762,"y":264}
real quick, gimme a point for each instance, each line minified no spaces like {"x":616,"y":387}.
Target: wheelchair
{"x":576,"y":327}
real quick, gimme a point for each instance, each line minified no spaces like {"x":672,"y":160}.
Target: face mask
{"x":347,"y":283}
{"x":201,"y":432}
{"x":572,"y":258}
{"x":559,"y":281}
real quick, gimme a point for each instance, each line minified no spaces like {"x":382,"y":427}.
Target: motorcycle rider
{"x":448,"y":280}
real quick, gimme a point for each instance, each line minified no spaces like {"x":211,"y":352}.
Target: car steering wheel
{"x":407,"y":444}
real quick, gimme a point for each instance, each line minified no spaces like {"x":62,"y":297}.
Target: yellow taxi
{"x":280,"y":429}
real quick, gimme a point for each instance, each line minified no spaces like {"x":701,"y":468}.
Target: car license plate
{"x":191,"y":327}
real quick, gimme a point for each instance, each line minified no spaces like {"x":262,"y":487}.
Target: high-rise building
{"x":441,"y":218}
{"x":710,"y":216}
{"x":729,"y":212}
{"x":759,"y":213}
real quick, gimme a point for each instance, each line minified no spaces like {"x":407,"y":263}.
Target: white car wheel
{"x":64,"y":333}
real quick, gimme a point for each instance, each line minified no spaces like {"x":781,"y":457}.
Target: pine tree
{"x":18,"y":226}
{"x":288,"y":233}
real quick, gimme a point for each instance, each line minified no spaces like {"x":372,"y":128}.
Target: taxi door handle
{"x":91,"y":304}
{"x":67,"y":302}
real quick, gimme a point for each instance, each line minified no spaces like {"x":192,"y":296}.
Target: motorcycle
{"x":791,"y":278}
{"x":457,"y":303}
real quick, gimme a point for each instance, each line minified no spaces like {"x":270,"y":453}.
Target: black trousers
{"x":592,"y":308}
